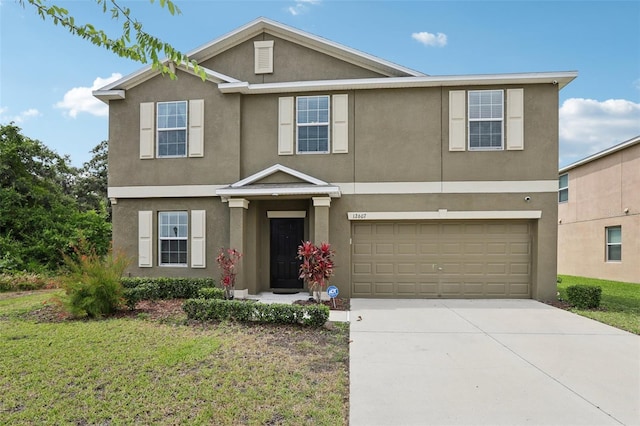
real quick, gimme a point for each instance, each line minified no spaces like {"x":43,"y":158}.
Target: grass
{"x":138,"y":371}
{"x":620,"y":304}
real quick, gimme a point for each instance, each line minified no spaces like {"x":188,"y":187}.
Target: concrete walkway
{"x":488,"y":362}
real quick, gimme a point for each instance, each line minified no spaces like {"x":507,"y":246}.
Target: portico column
{"x":237,"y":236}
{"x":321,"y":219}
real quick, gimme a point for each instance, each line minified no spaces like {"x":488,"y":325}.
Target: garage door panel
{"x":407,"y":248}
{"x":362,"y":249}
{"x":429,"y":248}
{"x":407,"y":269}
{"x":519,"y":269}
{"x":362,"y":268}
{"x":406,"y":289}
{"x":519,"y":290}
{"x":441,"y":259}
{"x":382,"y":249}
{"x":519,"y":248}
{"x":384,"y":288}
{"x":384,"y":268}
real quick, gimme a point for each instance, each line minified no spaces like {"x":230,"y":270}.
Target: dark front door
{"x":286,"y":236}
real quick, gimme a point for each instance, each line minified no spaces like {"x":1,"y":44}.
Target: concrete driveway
{"x":488,"y":362}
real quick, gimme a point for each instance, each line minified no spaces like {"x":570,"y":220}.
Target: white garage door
{"x":470,"y":259}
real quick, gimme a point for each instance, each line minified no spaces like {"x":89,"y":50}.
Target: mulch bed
{"x":341,"y":304}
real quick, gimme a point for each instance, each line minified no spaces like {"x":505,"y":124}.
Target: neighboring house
{"x":599,"y":215}
{"x":425,"y":186}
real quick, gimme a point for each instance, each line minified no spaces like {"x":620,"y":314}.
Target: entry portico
{"x":271,"y":213}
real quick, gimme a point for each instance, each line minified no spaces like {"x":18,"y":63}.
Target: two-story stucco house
{"x":599,"y":215}
{"x":425,"y":186}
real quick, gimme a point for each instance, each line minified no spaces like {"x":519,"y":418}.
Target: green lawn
{"x":620,"y":305}
{"x":139,"y":371}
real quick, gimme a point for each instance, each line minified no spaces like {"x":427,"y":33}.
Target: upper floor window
{"x":486,"y":112}
{"x":172,"y":238}
{"x":614,"y":243}
{"x":172,"y":129}
{"x":563,"y":188}
{"x":312,"y":120}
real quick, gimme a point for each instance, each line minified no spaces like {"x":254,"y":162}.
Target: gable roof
{"x":295,"y":35}
{"x":249,"y":186}
{"x":619,"y":147}
{"x":115,"y":89}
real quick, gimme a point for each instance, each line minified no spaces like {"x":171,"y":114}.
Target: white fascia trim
{"x":446,"y":215}
{"x":331,"y":191}
{"x":337,"y":189}
{"x":561,"y":78}
{"x":147,"y":73}
{"x":604,"y":153}
{"x":108,"y":95}
{"x":484,"y":187}
{"x":175,"y":191}
{"x":288,"y":33}
{"x":274,"y":169}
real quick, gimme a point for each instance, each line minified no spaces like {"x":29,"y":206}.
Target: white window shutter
{"x":457,"y":120}
{"x":147,"y":130}
{"x":340,"y":124}
{"x":145,"y":239}
{"x":198,"y":239}
{"x":196,"y":128}
{"x":285,"y":126}
{"x":515,"y":119}
{"x":263,"y":52}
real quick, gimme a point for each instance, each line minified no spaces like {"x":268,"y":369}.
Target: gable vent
{"x":263,"y":56}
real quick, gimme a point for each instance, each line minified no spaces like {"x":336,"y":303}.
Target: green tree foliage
{"x":133,"y":43}
{"x":39,"y":216}
{"x":90,"y":188}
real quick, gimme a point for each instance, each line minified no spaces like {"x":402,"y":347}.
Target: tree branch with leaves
{"x":134,"y":43}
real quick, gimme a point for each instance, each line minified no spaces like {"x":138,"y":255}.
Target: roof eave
{"x":108,"y":95}
{"x":561,"y":79}
{"x":618,"y":147}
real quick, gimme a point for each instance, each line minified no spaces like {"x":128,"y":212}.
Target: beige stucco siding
{"x":602,"y":193}
{"x":539,"y":158}
{"x":291,"y":62}
{"x":221,"y":136}
{"x":125,"y":233}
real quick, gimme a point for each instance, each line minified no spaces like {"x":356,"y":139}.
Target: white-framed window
{"x":312,"y":123}
{"x":172,"y":129}
{"x":486,"y":119}
{"x":614,"y":243}
{"x":173,"y":231}
{"x":563,"y":188}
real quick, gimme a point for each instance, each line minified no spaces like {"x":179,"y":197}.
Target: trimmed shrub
{"x":584,"y":296}
{"x":275,"y":313}
{"x":137,"y":289}
{"x":211,"y":293}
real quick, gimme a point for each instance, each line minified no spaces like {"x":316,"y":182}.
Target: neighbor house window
{"x":614,"y":243}
{"x":172,"y":129}
{"x":486,"y":112}
{"x":312,"y":119}
{"x":172,"y":235}
{"x":563,"y":188}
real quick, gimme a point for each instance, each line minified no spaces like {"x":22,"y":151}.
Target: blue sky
{"x":46,"y":74}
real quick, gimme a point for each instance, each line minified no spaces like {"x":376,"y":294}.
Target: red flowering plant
{"x":317,"y":266}
{"x":227,"y":261}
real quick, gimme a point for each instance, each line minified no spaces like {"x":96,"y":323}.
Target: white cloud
{"x":428,"y":39}
{"x":80,"y":99}
{"x":588,"y":126}
{"x":18,"y":118}
{"x":301,"y":6}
